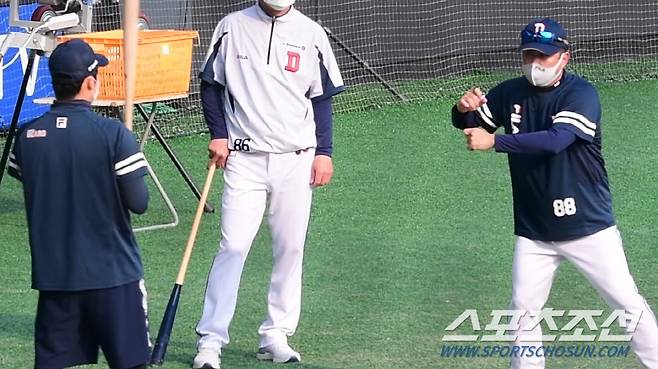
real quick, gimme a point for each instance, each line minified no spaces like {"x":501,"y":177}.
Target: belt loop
{"x":301,"y":150}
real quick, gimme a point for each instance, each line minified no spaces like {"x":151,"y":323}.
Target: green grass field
{"x":413,"y":231}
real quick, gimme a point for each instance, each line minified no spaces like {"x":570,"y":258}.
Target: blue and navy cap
{"x":544,"y":35}
{"x":75,"y":60}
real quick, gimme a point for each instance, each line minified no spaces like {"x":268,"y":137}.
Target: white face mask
{"x":540,"y":75}
{"x":279,"y":4}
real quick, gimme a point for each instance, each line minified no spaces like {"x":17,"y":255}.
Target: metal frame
{"x":167,"y":201}
{"x":30,"y":40}
{"x":116,"y":104}
{"x":86,"y":13}
{"x":151,"y":127}
{"x":17,"y":111}
{"x":158,"y":185}
{"x":45,"y":40}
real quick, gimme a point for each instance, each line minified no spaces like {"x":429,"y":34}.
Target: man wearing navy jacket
{"x":81,"y":176}
{"x":562,"y":202}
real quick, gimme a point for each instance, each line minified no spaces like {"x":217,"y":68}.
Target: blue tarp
{"x":13,"y":75}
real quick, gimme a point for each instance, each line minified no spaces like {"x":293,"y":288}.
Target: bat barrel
{"x":161,"y":343}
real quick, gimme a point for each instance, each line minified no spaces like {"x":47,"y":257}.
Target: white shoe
{"x":279,"y":353}
{"x":206,"y":359}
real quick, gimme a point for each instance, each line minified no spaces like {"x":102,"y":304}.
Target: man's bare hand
{"x":323,"y":169}
{"x":479,"y":139}
{"x":218,"y":152}
{"x":471,"y":101}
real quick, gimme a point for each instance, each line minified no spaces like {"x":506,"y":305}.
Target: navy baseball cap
{"x":544,"y":35}
{"x":75,"y":60}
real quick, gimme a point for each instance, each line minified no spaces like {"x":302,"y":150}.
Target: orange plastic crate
{"x":164,"y":62}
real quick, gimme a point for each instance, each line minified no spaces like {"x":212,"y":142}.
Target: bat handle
{"x":161,"y":343}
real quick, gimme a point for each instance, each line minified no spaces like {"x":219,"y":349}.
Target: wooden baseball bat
{"x":130,"y":15}
{"x":161,"y":343}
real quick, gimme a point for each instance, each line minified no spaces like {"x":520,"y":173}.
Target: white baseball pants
{"x":600,"y":258}
{"x":248,"y":179}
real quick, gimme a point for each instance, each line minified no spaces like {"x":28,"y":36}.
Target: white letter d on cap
{"x":539,"y":27}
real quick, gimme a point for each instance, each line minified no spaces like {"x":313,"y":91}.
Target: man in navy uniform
{"x":81,"y":176}
{"x":562,"y":202}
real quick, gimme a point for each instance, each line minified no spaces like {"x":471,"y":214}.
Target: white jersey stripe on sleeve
{"x":129,"y":160}
{"x":131,"y":168}
{"x":13,"y":163}
{"x":14,"y":166}
{"x":486,"y":119}
{"x":486,"y":110}
{"x":576,"y":123}
{"x":579,"y":117}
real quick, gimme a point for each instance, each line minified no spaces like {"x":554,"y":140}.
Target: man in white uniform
{"x":266,"y":90}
